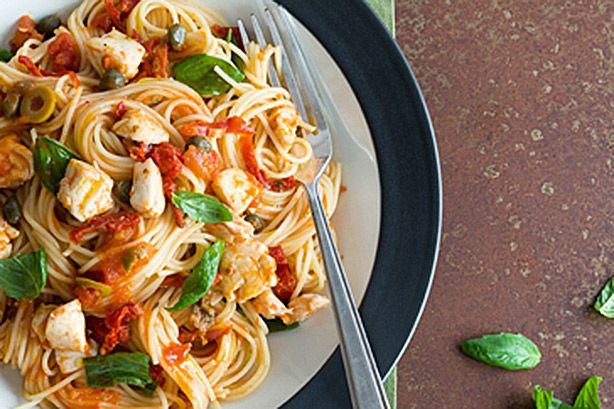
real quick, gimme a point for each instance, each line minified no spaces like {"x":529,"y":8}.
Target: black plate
{"x":409,"y":170}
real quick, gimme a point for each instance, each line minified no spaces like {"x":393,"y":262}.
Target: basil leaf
{"x":545,"y":399}
{"x":201,"y":208}
{"x":23,"y":277}
{"x":198,"y":72}
{"x":202,"y":277}
{"x":588,"y":398}
{"x":277,"y":325}
{"x":5,"y":55}
{"x":50,"y":161}
{"x":605,"y":302}
{"x":131,"y":368}
{"x":542,"y":398}
{"x":507,"y":351}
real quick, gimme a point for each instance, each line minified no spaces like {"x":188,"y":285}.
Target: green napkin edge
{"x":385,"y":9}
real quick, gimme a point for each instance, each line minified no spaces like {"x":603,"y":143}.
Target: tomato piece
{"x":284,"y":185}
{"x":102,"y":21}
{"x":286,"y":280}
{"x":217,"y":333}
{"x":26,"y":29}
{"x":205,"y":165}
{"x":155,"y":63}
{"x":120,"y":226}
{"x":64,"y":53}
{"x":117,"y":326}
{"x":29,"y":64}
{"x":119,"y":111}
{"x":175,"y":354}
{"x":234,"y":124}
{"x":113,"y":13}
{"x":87,"y":296}
{"x":187,"y":335}
{"x":246,"y":145}
{"x":175,"y":280}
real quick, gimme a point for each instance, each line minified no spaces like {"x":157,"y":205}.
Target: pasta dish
{"x":153,"y":232}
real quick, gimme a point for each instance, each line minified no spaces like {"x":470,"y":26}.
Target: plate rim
{"x":330,"y":376}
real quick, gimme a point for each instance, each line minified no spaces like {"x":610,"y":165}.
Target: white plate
{"x":296,"y":355}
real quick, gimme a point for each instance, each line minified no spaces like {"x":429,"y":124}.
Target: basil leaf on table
{"x":605,"y":301}
{"x":545,"y":399}
{"x":5,"y":55}
{"x":50,"y":161}
{"x":505,"y":350}
{"x":588,"y":397}
{"x":278,"y":325}
{"x":202,"y":277}
{"x":131,"y":368}
{"x":201,"y":208}
{"x":198,"y":71}
{"x":23,"y":277}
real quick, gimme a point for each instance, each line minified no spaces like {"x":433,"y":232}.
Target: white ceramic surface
{"x":296,"y":355}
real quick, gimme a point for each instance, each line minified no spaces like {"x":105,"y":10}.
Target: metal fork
{"x":364,"y":382}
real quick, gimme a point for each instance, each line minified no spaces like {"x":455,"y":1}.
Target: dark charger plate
{"x":410,"y":178}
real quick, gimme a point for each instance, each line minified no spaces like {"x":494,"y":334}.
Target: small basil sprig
{"x":198,"y":71}
{"x":201,"y":208}
{"x":201,"y":278}
{"x":277,"y":325}
{"x":131,"y":368}
{"x":50,"y":161}
{"x":588,"y":397}
{"x":605,"y":301}
{"x":23,"y":277}
{"x":5,"y":55}
{"x":507,"y":351}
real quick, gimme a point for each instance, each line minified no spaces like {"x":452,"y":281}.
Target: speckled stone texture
{"x":522,"y":100}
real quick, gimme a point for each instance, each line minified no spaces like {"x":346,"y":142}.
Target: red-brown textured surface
{"x":522,"y":100}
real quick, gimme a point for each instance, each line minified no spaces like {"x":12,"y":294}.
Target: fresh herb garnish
{"x":198,"y":71}
{"x":605,"y":301}
{"x":507,"y":351}
{"x":51,"y":159}
{"x":588,"y":397}
{"x":5,"y":55}
{"x":202,"y":277}
{"x":130,"y":368}
{"x":201,"y":208}
{"x":277,"y":325}
{"x":23,"y":277}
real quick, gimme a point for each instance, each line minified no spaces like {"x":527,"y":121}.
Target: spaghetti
{"x":148,"y":181}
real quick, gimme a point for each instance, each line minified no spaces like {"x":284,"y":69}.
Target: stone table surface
{"x":522,"y":101}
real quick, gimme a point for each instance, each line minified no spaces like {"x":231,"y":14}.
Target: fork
{"x":364,"y":383}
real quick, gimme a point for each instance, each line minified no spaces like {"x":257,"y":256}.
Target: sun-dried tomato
{"x":168,"y":158}
{"x":117,"y":326}
{"x":120,"y":226}
{"x":175,"y":280}
{"x":64,"y":53}
{"x":26,"y":29}
{"x":217,"y":333}
{"x":286,"y":280}
{"x":222,"y":32}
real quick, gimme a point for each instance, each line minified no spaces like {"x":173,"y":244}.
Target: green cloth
{"x":385,"y":9}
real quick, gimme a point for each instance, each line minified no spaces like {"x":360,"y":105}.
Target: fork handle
{"x":364,"y":382}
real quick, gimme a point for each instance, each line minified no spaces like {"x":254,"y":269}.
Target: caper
{"x":255,"y":221}
{"x":122,"y":190}
{"x":12,"y":210}
{"x":10,"y":104}
{"x":200,"y":142}
{"x":38,"y":104}
{"x":176,"y":36}
{"x":112,"y":79}
{"x":47,"y":25}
